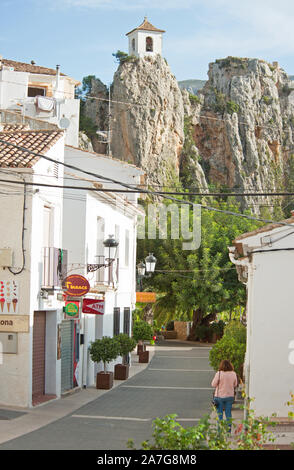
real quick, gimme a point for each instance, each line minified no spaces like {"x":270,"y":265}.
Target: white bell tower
{"x":145,"y":40}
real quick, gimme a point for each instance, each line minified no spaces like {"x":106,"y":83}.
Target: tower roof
{"x":146,"y":26}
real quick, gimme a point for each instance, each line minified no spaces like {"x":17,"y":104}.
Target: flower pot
{"x":144,"y":357}
{"x":104,"y":380}
{"x":141,"y":348}
{"x":121,"y":371}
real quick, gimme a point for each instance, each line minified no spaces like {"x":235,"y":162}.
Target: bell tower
{"x":145,"y":40}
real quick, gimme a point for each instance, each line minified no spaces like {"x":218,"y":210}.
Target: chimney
{"x":57,"y":77}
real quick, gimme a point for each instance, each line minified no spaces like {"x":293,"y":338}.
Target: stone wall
{"x":182,"y":328}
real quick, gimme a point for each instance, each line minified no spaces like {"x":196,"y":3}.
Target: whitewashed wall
{"x":270,"y":324}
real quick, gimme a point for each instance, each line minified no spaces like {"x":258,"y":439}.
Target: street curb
{"x":53,"y":410}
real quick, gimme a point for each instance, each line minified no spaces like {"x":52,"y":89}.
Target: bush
{"x":236,"y":330}
{"x":202,"y":332}
{"x":126,"y":344}
{"x":142,"y":331}
{"x":106,"y":350}
{"x":230,"y":349}
{"x":251,"y":434}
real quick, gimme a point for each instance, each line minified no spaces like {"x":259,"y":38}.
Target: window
{"x":133,"y":45}
{"x":127,"y":247}
{"x":149,"y":44}
{"x":127,"y":315}
{"x":35,"y":91}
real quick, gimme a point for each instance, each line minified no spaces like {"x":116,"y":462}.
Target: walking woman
{"x":225,"y":381}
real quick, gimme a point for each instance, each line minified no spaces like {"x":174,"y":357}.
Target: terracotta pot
{"x":144,"y":357}
{"x":121,"y":371}
{"x":104,"y":380}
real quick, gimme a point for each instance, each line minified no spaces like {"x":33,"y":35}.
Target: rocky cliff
{"x":237,"y":132}
{"x":148,"y":118}
{"x":242,"y":126}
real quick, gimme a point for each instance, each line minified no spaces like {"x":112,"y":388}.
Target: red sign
{"x":93,"y":306}
{"x":75,"y":285}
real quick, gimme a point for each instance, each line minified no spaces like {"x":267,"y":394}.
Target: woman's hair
{"x":226,"y":365}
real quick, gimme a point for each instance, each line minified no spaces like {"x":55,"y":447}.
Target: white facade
{"x":59,"y":93}
{"x":89,"y":219}
{"x":269,"y":263}
{"x":16,"y":368}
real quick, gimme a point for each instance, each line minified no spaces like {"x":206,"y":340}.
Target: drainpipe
{"x":245,"y":262}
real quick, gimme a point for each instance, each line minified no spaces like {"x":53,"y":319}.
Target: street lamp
{"x":146,"y":270}
{"x":112,"y":245}
{"x":141,"y":269}
{"x":150,"y":261}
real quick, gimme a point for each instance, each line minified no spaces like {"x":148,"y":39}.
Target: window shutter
{"x":116,"y":321}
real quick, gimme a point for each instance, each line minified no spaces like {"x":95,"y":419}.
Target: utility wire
{"x":166,"y":195}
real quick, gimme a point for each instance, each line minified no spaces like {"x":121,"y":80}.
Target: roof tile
{"x":36,"y":141}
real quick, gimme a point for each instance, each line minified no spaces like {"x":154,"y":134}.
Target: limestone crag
{"x":148,"y":118}
{"x":243,"y":126}
{"x":237,"y":132}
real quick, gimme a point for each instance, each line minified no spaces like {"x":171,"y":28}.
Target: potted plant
{"x":126,"y":345}
{"x":106,"y":349}
{"x":142,"y":331}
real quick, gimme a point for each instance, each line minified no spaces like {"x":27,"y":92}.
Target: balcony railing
{"x":54,"y":267}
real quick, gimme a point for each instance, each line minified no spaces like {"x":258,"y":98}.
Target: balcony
{"x":54,"y":267}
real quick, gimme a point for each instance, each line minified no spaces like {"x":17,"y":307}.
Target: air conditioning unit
{"x":54,"y":267}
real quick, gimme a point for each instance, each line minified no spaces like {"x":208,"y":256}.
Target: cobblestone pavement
{"x":177,"y":380}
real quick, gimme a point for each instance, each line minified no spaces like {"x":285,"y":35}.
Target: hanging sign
{"x":75,"y":285}
{"x":72,"y":309}
{"x":93,"y":306}
{"x":146,"y":297}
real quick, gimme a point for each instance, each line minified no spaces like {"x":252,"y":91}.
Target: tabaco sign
{"x":75,"y":285}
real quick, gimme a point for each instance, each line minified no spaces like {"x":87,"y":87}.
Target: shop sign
{"x":76,"y":285}
{"x":146,"y":297}
{"x":15,"y":323}
{"x":72,"y":309}
{"x":93,"y":306}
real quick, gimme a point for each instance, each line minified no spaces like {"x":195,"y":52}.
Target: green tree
{"x":105,"y":349}
{"x":201,"y":283}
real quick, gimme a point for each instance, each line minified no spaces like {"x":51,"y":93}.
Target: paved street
{"x":177,"y":380}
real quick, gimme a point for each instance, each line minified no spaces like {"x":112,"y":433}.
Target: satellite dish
{"x":64,"y":123}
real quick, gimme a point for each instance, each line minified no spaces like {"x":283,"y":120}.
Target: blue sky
{"x":81,"y":35}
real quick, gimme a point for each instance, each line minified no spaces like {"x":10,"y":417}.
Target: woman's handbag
{"x":213,"y":402}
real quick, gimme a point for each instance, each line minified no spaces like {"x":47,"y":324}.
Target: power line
{"x":166,"y":195}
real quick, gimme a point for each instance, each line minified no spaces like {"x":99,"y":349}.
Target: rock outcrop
{"x":242,"y":125}
{"x":148,"y":118}
{"x":237,"y":132}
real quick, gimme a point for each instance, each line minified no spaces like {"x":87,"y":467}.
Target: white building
{"x":31,"y":219}
{"x":39,"y":96}
{"x":145,"y":40}
{"x":265,"y":263}
{"x":90,"y":217}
